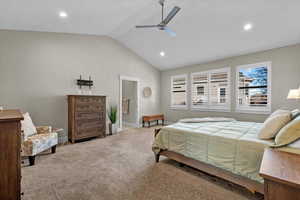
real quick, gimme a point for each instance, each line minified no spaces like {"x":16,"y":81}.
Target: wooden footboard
{"x":251,"y":185}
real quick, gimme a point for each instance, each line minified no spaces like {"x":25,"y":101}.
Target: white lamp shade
{"x":294,"y":94}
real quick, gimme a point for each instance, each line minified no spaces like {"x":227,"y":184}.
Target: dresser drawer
{"x":90,"y":116}
{"x":89,"y":107}
{"x":88,"y":133}
{"x":90,"y":99}
{"x":89,"y":128}
{"x":89,"y":124}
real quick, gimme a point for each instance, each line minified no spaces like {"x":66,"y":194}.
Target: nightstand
{"x":281,"y":173}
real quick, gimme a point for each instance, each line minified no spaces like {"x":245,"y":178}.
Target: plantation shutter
{"x":179,"y":87}
{"x":219,"y":89}
{"x":211,"y":89}
{"x":200,"y":89}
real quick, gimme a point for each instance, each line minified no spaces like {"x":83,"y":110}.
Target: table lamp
{"x":294,"y":94}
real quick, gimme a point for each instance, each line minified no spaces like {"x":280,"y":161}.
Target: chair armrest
{"x":43,"y":129}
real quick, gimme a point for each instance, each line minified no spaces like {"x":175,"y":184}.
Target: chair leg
{"x":31,"y":160}
{"x":53,"y":149}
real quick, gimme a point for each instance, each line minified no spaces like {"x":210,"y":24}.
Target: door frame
{"x":129,"y":78}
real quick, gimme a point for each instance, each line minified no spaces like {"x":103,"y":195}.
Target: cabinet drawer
{"x":87,"y":133}
{"x":89,"y":124}
{"x":89,"y":128}
{"x":90,"y":100}
{"x":89,"y":107}
{"x":90,"y":116}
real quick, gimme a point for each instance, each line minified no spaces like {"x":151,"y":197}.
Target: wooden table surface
{"x":281,"y":167}
{"x":10,"y":115}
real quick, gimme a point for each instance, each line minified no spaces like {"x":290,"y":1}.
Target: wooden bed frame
{"x":251,"y":185}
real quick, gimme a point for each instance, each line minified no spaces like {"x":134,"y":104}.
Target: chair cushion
{"x":38,"y":143}
{"x":274,"y":123}
{"x":27,"y":126}
{"x":43,"y":129}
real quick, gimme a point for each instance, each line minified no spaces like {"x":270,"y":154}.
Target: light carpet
{"x":120,"y":167}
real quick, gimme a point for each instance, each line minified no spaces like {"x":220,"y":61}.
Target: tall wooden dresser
{"x":86,"y":116}
{"x":10,"y":148}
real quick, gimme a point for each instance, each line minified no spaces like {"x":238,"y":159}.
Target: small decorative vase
{"x":112,"y":129}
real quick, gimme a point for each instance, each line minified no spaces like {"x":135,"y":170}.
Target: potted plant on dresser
{"x":112,"y":114}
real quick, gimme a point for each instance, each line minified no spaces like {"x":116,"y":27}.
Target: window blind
{"x":178,"y":90}
{"x":211,"y":89}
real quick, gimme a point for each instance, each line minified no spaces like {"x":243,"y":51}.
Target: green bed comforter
{"x":232,"y":146}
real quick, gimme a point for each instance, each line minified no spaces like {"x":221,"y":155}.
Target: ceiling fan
{"x":164,"y":21}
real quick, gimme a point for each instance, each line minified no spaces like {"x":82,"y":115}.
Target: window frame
{"x":179,"y":107}
{"x":248,"y":109}
{"x":209,"y":106}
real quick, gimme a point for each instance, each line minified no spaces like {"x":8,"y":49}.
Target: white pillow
{"x":280,"y":111}
{"x":27,"y":126}
{"x":274,"y":123}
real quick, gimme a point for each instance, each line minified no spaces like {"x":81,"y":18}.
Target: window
{"x":222,"y":95}
{"x":254,"y":88}
{"x":211,"y":89}
{"x":200,"y":90}
{"x":178,"y":91}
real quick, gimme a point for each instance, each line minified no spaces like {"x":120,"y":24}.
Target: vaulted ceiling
{"x":206,"y":29}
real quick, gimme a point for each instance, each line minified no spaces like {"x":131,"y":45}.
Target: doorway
{"x":129,"y":102}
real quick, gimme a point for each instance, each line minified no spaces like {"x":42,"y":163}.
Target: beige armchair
{"x":41,"y":139}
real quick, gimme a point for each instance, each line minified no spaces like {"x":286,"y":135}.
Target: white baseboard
{"x":131,"y":124}
{"x":169,"y":122}
{"x":119,"y":129}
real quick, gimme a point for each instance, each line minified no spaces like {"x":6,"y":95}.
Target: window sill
{"x":258,"y":112}
{"x":211,"y":109}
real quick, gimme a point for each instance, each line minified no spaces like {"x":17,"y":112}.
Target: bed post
{"x":157,"y":157}
{"x":156,"y":131}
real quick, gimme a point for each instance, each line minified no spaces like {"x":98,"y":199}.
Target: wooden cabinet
{"x":281,"y":172}
{"x":86,"y":116}
{"x":10,"y":150}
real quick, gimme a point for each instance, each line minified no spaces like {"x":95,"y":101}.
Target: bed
{"x":228,"y":149}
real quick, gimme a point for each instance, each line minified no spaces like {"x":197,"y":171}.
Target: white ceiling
{"x":206,"y":29}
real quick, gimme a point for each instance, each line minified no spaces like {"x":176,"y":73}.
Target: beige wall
{"x":38,"y":70}
{"x":285,"y":75}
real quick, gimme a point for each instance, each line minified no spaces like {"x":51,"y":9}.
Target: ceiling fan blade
{"x":147,"y":26}
{"x":170,"y":32}
{"x":171,"y":15}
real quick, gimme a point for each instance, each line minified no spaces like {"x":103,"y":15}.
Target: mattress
{"x":232,"y":146}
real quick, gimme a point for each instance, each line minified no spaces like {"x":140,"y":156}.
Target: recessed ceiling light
{"x":162,"y":53}
{"x":63,"y":14}
{"x":248,"y":26}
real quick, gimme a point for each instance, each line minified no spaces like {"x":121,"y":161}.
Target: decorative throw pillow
{"x":280,"y":111}
{"x":295,"y":113}
{"x":288,"y":134}
{"x":274,"y":123}
{"x":27,"y":126}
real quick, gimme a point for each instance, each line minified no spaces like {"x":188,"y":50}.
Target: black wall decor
{"x":81,"y":82}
